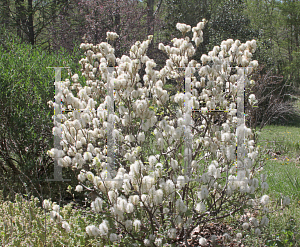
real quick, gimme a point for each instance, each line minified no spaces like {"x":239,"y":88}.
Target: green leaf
{"x":188,"y":212}
{"x":279,"y":243}
{"x":252,"y":196}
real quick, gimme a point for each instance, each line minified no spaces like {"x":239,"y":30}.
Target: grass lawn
{"x":280,"y":146}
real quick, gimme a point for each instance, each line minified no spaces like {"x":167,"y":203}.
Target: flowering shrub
{"x":159,"y":191}
{"x":24,"y":223}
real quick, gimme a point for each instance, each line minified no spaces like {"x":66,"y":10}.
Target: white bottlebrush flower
{"x":183,"y":27}
{"x":252,"y":99}
{"x":55,"y":216}
{"x":88,"y":230}
{"x":174,"y":164}
{"x":78,"y":145}
{"x":129,"y":207}
{"x":152,"y":160}
{"x":263,"y":177}
{"x":111,"y":36}
{"x":112,"y":195}
{"x":144,"y":200}
{"x":161,"y":46}
{"x":169,"y":186}
{"x":198,"y":40}
{"x":180,"y":182}
{"x":92,"y":230}
{"x":55,"y":153}
{"x":205,"y":178}
{"x":134,"y":199}
{"x":211,"y":170}
{"x":202,"y":241}
{"x":141,"y":137}
{"x":103,"y":228}
{"x":245,"y":226}
{"x":264,"y":221}
{"x":79,"y":188}
{"x":97,"y":205}
{"x":90,"y":148}
{"x":147,"y":183}
{"x":90,"y":176}
{"x":66,"y":226}
{"x":181,"y":207}
{"x":81,"y":177}
{"x":88,"y":156}
{"x":264,"y":186}
{"x":46,"y":204}
{"x":113,"y":237}
{"x":137,"y":225}
{"x":253,"y":64}
{"x":257,"y":231}
{"x":158,"y":242}
{"x":67,"y":161}
{"x":203,"y":194}
{"x":55,"y":207}
{"x":147,"y":242}
{"x":166,"y":210}
{"x":75,"y":78}
{"x":239,"y":235}
{"x":264,"y":200}
{"x":200,"y":207}
{"x":158,"y":197}
{"x":128,"y":224}
{"x":77,"y":124}
{"x":172,"y":233}
{"x":254,"y":221}
{"x":286,"y":201}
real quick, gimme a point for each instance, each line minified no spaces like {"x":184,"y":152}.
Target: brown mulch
{"x":218,"y":229}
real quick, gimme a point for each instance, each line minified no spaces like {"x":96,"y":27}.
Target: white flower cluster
{"x":252,"y":99}
{"x":102,"y":230}
{"x":55,"y":215}
{"x":198,"y":33}
{"x":183,"y":28}
{"x":111,"y":36}
{"x":147,"y":183}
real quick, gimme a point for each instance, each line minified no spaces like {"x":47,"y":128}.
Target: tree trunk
{"x":20,"y":18}
{"x":150,"y":25}
{"x":150,"y":17}
{"x":117,"y":30}
{"x":30,"y":23}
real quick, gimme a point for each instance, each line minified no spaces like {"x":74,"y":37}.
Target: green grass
{"x":280,"y":148}
{"x":283,"y":169}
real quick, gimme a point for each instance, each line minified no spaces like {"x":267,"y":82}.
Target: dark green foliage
{"x":26,"y":85}
{"x":226,"y":20}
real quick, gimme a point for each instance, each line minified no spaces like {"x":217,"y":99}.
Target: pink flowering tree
{"x":94,"y":18}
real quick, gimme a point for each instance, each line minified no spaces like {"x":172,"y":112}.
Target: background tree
{"x":225,"y":19}
{"x":278,"y":42}
{"x":130,"y":19}
{"x":29,"y":19}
